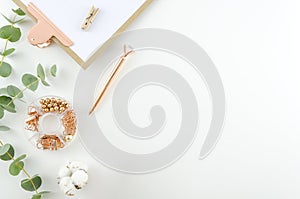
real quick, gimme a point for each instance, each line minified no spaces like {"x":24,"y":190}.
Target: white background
{"x":255,"y":46}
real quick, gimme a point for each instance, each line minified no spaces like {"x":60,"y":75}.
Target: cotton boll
{"x":66,"y":185}
{"x":79,"y":179}
{"x":74,"y":166}
{"x":64,"y":172}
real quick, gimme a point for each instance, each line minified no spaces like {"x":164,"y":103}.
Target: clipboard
{"x":114,"y":17}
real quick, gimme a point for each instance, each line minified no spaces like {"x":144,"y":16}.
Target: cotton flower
{"x":80,"y":178}
{"x":72,"y":177}
{"x":67,"y":186}
{"x":64,"y":172}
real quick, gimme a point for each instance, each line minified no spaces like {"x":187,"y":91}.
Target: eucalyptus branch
{"x":31,"y":183}
{"x":9,"y":33}
{"x":22,"y":91}
{"x":3,"y":52}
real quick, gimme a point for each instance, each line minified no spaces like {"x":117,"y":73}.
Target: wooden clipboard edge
{"x":70,"y":52}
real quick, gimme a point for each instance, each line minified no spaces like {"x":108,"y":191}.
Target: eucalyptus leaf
{"x":44,"y":192}
{"x":40,"y":194}
{"x":45,"y":83}
{"x":31,"y":184}
{"x":17,"y":165}
{"x":5,"y":69}
{"x":7,"y":104}
{"x":30,"y":81}
{"x":10,"y":33}
{"x":14,"y":91}
{"x":7,"y":19}
{"x":19,"y":12}
{"x":7,"y":152}
{"x":36,"y":196}
{"x":16,"y":168}
{"x":3,"y":90}
{"x":1,"y":112}
{"x":41,"y":72}
{"x":53,"y":70}
{"x":4,"y":128}
{"x":8,"y":52}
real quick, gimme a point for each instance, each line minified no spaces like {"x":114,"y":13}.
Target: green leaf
{"x":8,"y":52}
{"x":7,"y":19}
{"x":36,"y":196}
{"x":5,"y":69}
{"x":3,"y":90}
{"x":10,"y":33}
{"x":53,"y":70}
{"x":7,"y":104}
{"x":30,"y":81}
{"x":4,"y":128}
{"x":45,"y":83}
{"x":1,"y":112}
{"x":41,"y":72}
{"x":44,"y":192}
{"x":31,"y":184}
{"x":40,"y":194}
{"x":14,"y":91}
{"x":19,"y":12}
{"x":17,"y":165}
{"x":16,"y":168}
{"x":7,"y":152}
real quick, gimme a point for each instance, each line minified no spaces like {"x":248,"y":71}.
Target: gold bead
{"x":44,"y":106}
{"x":49,"y":105}
{"x":53,"y":99}
{"x":47,"y":100}
{"x":69,"y":138}
{"x":62,"y":109}
{"x":42,"y":101}
{"x":58,"y":101}
{"x":46,"y":110}
{"x":51,"y":109}
{"x":56,"y":108}
{"x":55,"y":104}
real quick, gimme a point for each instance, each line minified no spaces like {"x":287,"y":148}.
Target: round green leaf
{"x":30,"y":81}
{"x":7,"y":104}
{"x":41,"y":72}
{"x":14,"y":91}
{"x":10,"y":33}
{"x":4,"y":128}
{"x":27,"y":185}
{"x":5,"y":69}
{"x":16,"y":167}
{"x":7,"y":152}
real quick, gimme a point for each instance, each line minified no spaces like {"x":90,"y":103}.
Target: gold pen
{"x":117,"y":68}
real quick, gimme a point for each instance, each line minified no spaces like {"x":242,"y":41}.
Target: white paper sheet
{"x":68,"y":15}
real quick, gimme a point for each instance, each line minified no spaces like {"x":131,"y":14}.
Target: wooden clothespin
{"x":90,"y":18}
{"x":40,"y":35}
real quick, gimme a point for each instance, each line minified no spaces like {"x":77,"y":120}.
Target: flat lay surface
{"x":255,"y":47}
